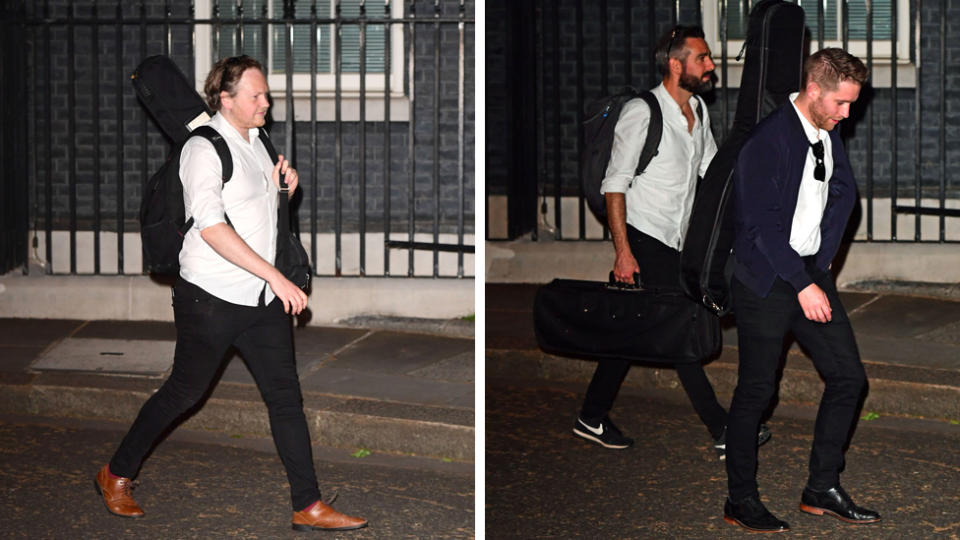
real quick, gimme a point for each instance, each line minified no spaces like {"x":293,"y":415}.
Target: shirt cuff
{"x":208,"y":220}
{"x":615,"y":184}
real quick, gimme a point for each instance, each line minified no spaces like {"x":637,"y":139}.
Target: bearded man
{"x":648,"y":214}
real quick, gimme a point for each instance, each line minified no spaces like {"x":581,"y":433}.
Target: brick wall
{"x":562,"y":99}
{"x":71,"y":132}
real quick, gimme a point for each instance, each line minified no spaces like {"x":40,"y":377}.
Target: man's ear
{"x":813,"y":90}
{"x":225,"y":99}
{"x":676,"y":66}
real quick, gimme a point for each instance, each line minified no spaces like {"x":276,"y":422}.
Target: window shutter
{"x":882,"y":15}
{"x":738,"y":15}
{"x":252,"y":33}
{"x":350,"y":39}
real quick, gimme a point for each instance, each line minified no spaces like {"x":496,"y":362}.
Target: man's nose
{"x":845,"y":110}
{"x":710,"y":64}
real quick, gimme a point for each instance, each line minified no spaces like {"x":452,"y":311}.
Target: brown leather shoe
{"x":320,"y":517}
{"x":116,"y":494}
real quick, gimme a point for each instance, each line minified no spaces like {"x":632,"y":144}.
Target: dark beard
{"x":695,"y":85}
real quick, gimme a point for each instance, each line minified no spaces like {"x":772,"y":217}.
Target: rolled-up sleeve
{"x":200,"y":171}
{"x":709,"y":146}
{"x":629,"y":135}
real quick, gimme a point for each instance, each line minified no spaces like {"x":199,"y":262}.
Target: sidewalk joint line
{"x":875,"y":298}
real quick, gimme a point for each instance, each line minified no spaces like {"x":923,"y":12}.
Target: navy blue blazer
{"x":766,"y":182}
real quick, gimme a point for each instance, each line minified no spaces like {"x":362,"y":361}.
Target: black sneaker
{"x":720,"y":444}
{"x":602,"y":432}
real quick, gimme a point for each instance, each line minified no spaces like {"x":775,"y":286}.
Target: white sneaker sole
{"x":591,"y":437}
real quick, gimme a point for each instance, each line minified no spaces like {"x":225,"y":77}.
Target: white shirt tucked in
{"x":812,"y":199}
{"x":249,"y":198}
{"x":659,"y":200}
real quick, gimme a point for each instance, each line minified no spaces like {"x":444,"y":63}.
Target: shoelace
{"x":127,"y":486}
{"x":333,"y":498}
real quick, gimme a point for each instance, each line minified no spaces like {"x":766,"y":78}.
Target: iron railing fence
{"x":898,"y":137}
{"x":380,"y":94}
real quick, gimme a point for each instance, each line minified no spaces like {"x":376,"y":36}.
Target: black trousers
{"x":206,"y":328}
{"x":659,"y":269}
{"x":762,"y":325}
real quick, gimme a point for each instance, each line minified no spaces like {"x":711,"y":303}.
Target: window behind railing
{"x":900,"y":136}
{"x":372,"y":101}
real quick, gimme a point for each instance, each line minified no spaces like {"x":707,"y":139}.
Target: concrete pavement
{"x":908,"y":336}
{"x":398,"y":387}
{"x":671,"y":485}
{"x":205,"y":485}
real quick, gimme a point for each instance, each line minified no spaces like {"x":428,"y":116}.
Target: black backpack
{"x":163,"y":222}
{"x":598,"y":132}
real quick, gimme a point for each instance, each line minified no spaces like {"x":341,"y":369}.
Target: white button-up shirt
{"x":249,"y":198}
{"x":660,"y":200}
{"x":812,"y":198}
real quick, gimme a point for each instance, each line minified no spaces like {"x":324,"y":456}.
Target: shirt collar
{"x":672,"y":107}
{"x":227,"y":130}
{"x":813,"y":134}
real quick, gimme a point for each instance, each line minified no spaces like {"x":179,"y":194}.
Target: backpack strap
{"x":654,"y":132}
{"x":700,"y":107}
{"x":283,"y":198}
{"x":226,"y":163}
{"x":265,"y":139}
{"x":220,"y":145}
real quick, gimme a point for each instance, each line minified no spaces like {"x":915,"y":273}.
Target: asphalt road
{"x":202,"y":486}
{"x":543,"y":482}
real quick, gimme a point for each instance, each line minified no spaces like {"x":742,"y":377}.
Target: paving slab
{"x":853,"y":300}
{"x":153,"y":330}
{"x":397,"y":352}
{"x":236,"y":371}
{"x":384,"y":386}
{"x":17,"y":358}
{"x":904,"y":316}
{"x":909,"y":352}
{"x":131,"y":356}
{"x":35,"y":331}
{"x":317,"y":343}
{"x":459,"y":368}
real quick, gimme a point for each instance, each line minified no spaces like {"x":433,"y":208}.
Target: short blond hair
{"x":829,"y":67}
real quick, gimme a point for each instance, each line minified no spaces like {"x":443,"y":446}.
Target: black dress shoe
{"x":753,"y":516}
{"x":837,"y":503}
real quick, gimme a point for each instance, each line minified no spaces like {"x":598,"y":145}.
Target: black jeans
{"x":659,"y":269}
{"x":762,"y":325}
{"x":206,"y":328}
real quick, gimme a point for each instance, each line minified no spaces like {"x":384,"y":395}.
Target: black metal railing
{"x":372,"y":184}
{"x":589,"y":49}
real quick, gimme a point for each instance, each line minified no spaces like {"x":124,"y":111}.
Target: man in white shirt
{"x":230,"y":294}
{"x":793,"y":192}
{"x":648,"y":217}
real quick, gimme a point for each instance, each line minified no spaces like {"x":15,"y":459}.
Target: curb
{"x":336,"y":428}
{"x":930,"y":393}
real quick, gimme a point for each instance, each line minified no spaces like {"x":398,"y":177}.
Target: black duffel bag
{"x":599,"y":320}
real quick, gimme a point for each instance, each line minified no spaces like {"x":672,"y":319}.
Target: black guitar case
{"x":772,"y":70}
{"x":169,"y":97}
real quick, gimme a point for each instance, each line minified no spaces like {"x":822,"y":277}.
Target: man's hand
{"x":294,"y":300}
{"x":625,"y":267}
{"x":283,"y":166}
{"x":815,"y":304}
{"x":225,"y":241}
